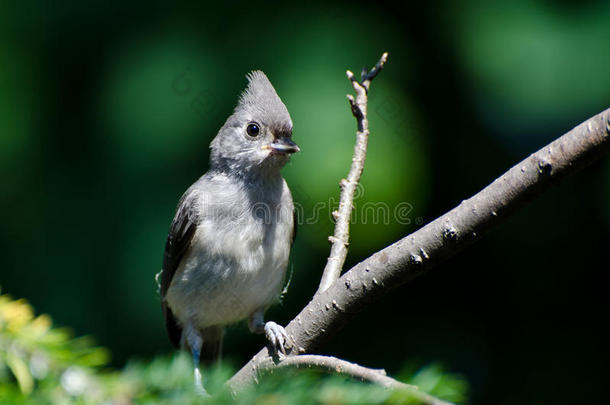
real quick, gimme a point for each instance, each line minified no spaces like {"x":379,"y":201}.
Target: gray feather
{"x":179,"y":238}
{"x":228,"y":245}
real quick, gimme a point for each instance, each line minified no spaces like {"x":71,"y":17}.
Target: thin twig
{"x":333,"y":365}
{"x":434,"y":243}
{"x":340,"y":239}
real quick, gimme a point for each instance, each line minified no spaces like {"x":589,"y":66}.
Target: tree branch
{"x":333,"y":365}
{"x":417,"y":253}
{"x":340,"y":239}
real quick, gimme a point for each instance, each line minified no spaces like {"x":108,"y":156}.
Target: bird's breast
{"x":236,"y":262}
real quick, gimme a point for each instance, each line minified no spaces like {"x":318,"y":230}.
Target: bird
{"x":229,"y":242}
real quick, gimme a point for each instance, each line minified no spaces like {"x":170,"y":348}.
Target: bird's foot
{"x":199,"y":389}
{"x":277,"y":337}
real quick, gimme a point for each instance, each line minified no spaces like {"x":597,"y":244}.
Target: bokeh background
{"x":107,"y":109}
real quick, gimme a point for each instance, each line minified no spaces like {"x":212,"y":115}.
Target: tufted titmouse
{"x":228,"y":245}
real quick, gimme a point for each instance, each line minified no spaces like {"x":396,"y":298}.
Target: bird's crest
{"x":261,"y":97}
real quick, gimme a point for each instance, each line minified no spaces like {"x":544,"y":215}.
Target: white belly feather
{"x":235,"y":264}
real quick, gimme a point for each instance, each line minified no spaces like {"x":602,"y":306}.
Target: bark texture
{"x":417,"y":253}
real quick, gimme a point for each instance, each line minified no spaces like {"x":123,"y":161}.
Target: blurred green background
{"x":107,"y":110}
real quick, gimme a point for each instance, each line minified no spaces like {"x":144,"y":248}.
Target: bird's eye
{"x":253,"y":129}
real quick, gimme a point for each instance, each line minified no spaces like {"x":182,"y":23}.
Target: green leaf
{"x":20,"y":370}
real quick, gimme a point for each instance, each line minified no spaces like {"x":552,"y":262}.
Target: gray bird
{"x":227,"y":250}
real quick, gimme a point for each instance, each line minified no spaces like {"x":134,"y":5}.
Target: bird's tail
{"x":212,"y":344}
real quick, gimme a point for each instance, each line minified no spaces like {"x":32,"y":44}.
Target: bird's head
{"x":258,"y":135}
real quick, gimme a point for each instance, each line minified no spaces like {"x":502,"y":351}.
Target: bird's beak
{"x":284,"y":145}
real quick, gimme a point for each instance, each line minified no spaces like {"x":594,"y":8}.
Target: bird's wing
{"x":179,"y":239}
{"x":295,"y":219}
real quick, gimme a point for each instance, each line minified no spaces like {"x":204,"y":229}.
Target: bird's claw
{"x":199,"y":389}
{"x":277,"y":337}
